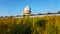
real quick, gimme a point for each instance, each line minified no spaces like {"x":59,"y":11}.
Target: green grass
{"x":27,"y":25}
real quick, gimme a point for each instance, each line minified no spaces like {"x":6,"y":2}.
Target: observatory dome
{"x":27,"y":10}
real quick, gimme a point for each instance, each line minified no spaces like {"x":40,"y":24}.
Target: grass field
{"x":27,"y":25}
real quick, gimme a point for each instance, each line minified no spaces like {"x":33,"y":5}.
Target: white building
{"x":26,"y":11}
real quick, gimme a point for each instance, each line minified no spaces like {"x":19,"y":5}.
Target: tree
{"x":58,"y":12}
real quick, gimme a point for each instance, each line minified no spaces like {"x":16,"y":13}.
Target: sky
{"x":15,"y":7}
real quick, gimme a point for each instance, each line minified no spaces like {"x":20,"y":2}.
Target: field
{"x":27,"y":25}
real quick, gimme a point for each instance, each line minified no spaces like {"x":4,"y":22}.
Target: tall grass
{"x":27,"y":25}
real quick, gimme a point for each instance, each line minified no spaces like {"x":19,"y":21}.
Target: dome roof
{"x":27,"y":8}
{"x":26,"y":11}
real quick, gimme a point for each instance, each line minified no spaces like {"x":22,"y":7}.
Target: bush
{"x":41,"y":23}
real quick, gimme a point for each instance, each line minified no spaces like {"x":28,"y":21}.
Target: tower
{"x":26,"y":11}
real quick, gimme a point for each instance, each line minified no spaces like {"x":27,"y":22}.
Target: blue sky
{"x":15,"y":7}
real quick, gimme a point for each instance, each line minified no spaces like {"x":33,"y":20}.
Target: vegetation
{"x":27,"y":25}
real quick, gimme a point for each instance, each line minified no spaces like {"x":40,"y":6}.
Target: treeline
{"x":27,"y":25}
